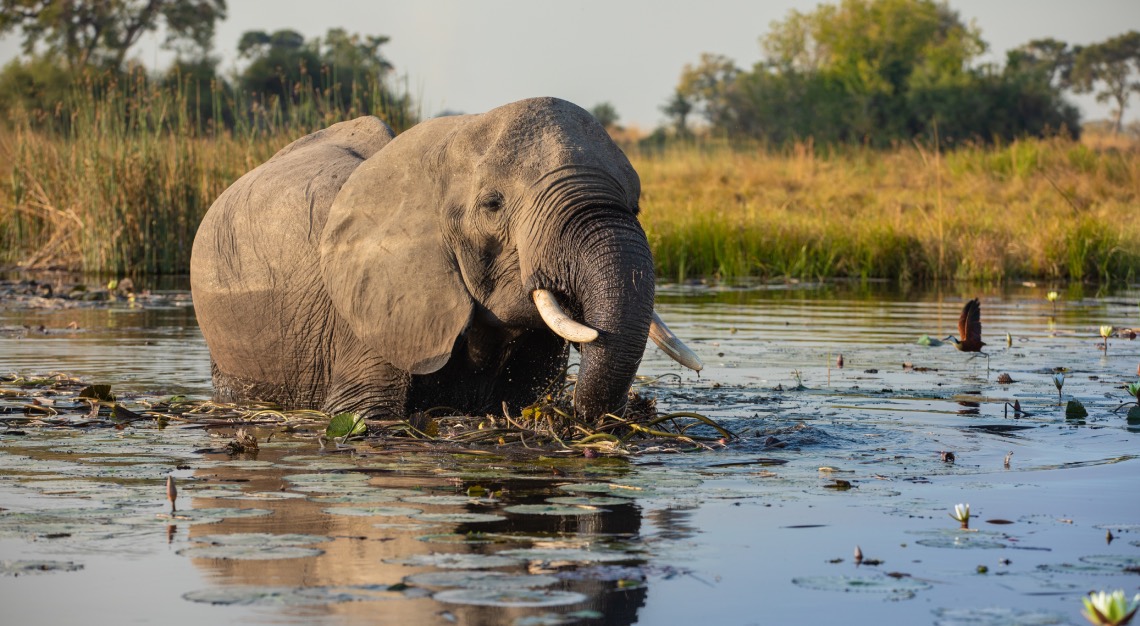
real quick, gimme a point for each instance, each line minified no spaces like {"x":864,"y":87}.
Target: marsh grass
{"x":117,"y":179}
{"x":118,"y":184}
{"x":1051,"y":209}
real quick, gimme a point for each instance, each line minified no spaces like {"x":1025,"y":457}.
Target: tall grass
{"x":118,"y":178}
{"x":120,"y":184}
{"x":1032,"y":209}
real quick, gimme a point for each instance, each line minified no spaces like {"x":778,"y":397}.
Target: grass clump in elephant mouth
{"x":549,"y":425}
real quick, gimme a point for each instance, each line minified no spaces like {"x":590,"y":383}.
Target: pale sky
{"x":470,"y":56}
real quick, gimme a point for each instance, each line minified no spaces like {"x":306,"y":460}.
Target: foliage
{"x":1114,"y":65}
{"x":876,"y":72}
{"x":99,"y":33}
{"x":606,"y":114}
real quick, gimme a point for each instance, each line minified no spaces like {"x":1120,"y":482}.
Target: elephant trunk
{"x":614,"y":292}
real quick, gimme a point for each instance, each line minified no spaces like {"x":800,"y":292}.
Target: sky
{"x":470,"y":56}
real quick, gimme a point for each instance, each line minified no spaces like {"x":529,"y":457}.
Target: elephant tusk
{"x":674,"y":347}
{"x":559,"y":321}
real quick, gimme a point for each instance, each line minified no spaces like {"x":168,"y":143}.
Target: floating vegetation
{"x":956,"y":539}
{"x":902,"y":587}
{"x":290,"y":596}
{"x":458,"y":518}
{"x":588,"y":500}
{"x":554,"y":509}
{"x":513,"y":598}
{"x":249,"y":552}
{"x":457,"y":561}
{"x":264,"y":540}
{"x":372,"y":511}
{"x":996,"y":616}
{"x":572,"y":555}
{"x":19,"y":568}
{"x":481,"y":580}
{"x":544,"y":428}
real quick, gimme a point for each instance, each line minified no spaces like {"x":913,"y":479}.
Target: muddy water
{"x":760,"y":531}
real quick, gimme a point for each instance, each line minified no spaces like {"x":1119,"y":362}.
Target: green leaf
{"x":346,"y":424}
{"x":1075,"y":410}
{"x":101,"y":393}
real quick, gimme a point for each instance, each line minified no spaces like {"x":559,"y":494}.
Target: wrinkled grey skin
{"x":355,"y":271}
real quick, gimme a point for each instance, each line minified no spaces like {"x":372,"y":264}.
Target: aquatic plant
{"x":961,"y":513}
{"x":1059,"y":381}
{"x":1110,"y":609}
{"x":1106,"y":332}
{"x":1052,"y":298}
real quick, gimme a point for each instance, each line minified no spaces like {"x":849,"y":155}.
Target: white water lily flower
{"x":1052,"y":296}
{"x":1105,"y":331}
{"x":1059,"y":380}
{"x":1110,"y":609}
{"x":961,"y":513}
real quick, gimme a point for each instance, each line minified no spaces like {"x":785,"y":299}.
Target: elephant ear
{"x":386,"y":267}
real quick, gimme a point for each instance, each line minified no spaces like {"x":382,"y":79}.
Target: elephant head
{"x":521,"y":218}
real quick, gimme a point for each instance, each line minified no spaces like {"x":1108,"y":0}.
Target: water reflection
{"x":366,"y":551}
{"x":885,"y":424}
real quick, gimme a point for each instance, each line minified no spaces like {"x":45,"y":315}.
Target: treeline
{"x":77,"y":55}
{"x":881,"y":72}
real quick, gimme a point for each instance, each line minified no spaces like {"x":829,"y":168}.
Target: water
{"x":760,"y":531}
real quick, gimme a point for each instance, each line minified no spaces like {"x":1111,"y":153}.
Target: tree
{"x":678,"y":109}
{"x":606,"y":114}
{"x":1112,"y":64}
{"x":101,"y":32}
{"x":1050,"y":57}
{"x":708,"y":85}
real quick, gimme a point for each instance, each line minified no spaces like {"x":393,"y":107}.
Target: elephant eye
{"x":492,"y":201}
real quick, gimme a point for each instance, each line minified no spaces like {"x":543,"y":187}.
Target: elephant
{"x":452,"y":265}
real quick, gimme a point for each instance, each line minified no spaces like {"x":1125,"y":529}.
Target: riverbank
{"x":109,"y":198}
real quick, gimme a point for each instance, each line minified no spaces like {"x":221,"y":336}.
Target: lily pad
{"x":19,"y":568}
{"x":996,"y":616}
{"x":457,"y":538}
{"x":443,"y":500}
{"x":289,"y":596}
{"x":1074,"y":410}
{"x":261,"y":495}
{"x":456,"y":561}
{"x":481,"y":580}
{"x":346,"y":424}
{"x":370,"y":511}
{"x":622,"y":491}
{"x":458,"y":518}
{"x":905,"y":587}
{"x":327,"y":479}
{"x":572,"y":555}
{"x":514,"y":598}
{"x":554,"y":509}
{"x":249,"y":552}
{"x":192,"y":516}
{"x":588,"y":500}
{"x":261,"y":539}
{"x":363,"y":496}
{"x":957,"y":539}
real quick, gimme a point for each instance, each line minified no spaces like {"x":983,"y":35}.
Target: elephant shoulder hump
{"x":363,"y":136}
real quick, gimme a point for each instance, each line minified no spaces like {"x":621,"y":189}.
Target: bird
{"x":970,"y":329}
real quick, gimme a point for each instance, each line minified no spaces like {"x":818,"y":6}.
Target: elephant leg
{"x":360,"y":382}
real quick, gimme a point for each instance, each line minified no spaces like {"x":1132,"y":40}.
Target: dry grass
{"x":123,"y":188}
{"x":1032,"y":209}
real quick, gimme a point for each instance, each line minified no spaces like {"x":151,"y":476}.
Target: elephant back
{"x":254,"y":259}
